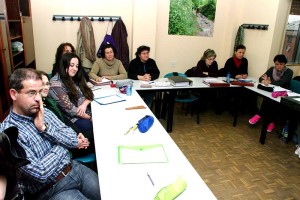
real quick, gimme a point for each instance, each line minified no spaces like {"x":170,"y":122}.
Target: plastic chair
{"x":185,"y":96}
{"x":88,"y":160}
{"x":295,"y":86}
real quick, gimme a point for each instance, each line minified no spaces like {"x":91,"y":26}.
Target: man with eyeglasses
{"x":51,"y":173}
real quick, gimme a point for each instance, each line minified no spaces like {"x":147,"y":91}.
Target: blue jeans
{"x":79,"y":184}
{"x":84,"y":124}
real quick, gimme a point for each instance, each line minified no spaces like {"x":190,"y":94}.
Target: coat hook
{"x":71,"y":19}
{"x":92,"y":18}
{"x":99,"y":19}
{"x":110,"y":19}
{"x":54,"y":18}
{"x":78,"y":19}
{"x":63,"y":18}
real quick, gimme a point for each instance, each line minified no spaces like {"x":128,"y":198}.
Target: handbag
{"x":145,"y":123}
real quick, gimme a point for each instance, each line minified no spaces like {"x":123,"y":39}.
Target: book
{"x":242,"y":83}
{"x":105,"y":100}
{"x":214,"y":82}
{"x":180,"y":81}
{"x":139,"y":154}
{"x":103,"y":82}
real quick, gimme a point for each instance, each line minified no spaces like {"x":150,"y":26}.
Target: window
{"x":291,"y":46}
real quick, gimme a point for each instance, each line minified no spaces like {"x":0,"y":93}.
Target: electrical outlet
{"x":173,"y":63}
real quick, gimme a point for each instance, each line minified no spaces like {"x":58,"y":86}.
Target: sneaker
{"x":270,"y":128}
{"x":297,"y":150}
{"x":254,"y":119}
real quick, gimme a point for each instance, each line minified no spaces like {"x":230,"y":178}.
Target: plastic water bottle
{"x":285,"y":131}
{"x":129,"y":90}
{"x":228,"y":77}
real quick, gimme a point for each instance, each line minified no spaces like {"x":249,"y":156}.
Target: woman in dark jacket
{"x":278,"y":75}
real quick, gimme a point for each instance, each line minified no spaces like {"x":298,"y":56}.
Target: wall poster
{"x":192,"y":17}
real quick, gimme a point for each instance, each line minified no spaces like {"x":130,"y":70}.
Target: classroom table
{"x":197,"y":85}
{"x":131,"y":181}
{"x":266,"y":120}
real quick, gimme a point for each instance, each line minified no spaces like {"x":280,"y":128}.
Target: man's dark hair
{"x":280,"y":58}
{"x":140,"y":49}
{"x":20,"y":75}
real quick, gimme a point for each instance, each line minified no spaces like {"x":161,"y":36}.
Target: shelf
{"x":15,"y":37}
{"x":14,"y":21}
{"x":15,"y":53}
{"x":19,"y":64}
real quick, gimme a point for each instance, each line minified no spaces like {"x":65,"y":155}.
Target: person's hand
{"x":98,"y":79}
{"x":264,"y":77}
{"x":244,"y":75}
{"x":147,"y":77}
{"x":81,"y":109}
{"x":267,"y":81}
{"x":206,"y":73}
{"x":83,"y":142}
{"x":39,"y":118}
{"x":239,"y":76}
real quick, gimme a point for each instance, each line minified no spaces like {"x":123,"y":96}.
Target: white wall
{"x":147,"y":23}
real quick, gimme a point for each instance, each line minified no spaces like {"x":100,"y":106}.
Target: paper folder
{"x":109,"y":99}
{"x":142,"y":154}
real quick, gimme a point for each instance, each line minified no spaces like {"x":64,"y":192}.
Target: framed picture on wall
{"x":192,"y":17}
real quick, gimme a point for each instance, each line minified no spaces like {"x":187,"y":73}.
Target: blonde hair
{"x":208,"y":53}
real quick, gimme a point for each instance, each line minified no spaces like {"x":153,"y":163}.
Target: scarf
{"x":278,"y":74}
{"x":237,"y":61}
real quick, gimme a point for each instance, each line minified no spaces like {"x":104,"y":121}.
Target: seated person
{"x":237,"y":65}
{"x":51,"y":173}
{"x":145,"y":69}
{"x":108,"y":66}
{"x":207,"y":66}
{"x":51,"y":105}
{"x":278,"y":75}
{"x":71,"y":93}
{"x":61,"y":49}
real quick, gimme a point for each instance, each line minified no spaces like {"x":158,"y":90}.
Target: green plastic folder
{"x":142,"y":154}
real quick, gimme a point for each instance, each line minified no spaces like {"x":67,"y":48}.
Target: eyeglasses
{"x":47,"y":84}
{"x":32,"y":93}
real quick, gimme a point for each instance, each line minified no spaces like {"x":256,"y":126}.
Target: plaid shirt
{"x":47,"y":151}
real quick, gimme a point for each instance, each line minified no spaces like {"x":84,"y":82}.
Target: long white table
{"x":130,"y":181}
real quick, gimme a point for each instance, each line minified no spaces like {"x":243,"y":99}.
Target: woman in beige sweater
{"x":108,"y":66}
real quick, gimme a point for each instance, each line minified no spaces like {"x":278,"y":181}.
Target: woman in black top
{"x":237,"y":65}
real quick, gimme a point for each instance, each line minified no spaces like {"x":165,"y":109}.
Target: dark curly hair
{"x":106,"y":46}
{"x":78,"y":79}
{"x":140,"y":49}
{"x":59,"y":52}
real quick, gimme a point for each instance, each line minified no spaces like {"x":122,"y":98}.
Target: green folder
{"x":142,"y":154}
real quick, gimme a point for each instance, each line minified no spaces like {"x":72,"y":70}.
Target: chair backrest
{"x":174,"y":74}
{"x":295,"y":86}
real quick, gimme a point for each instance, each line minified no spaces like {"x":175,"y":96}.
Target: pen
{"x":96,"y":88}
{"x":150,"y":178}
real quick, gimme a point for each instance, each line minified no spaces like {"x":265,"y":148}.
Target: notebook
{"x":103,"y":82}
{"x":214,"y":82}
{"x":180,"y":81}
{"x":105,"y":100}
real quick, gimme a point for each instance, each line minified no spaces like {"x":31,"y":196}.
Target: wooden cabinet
{"x":15,"y":16}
